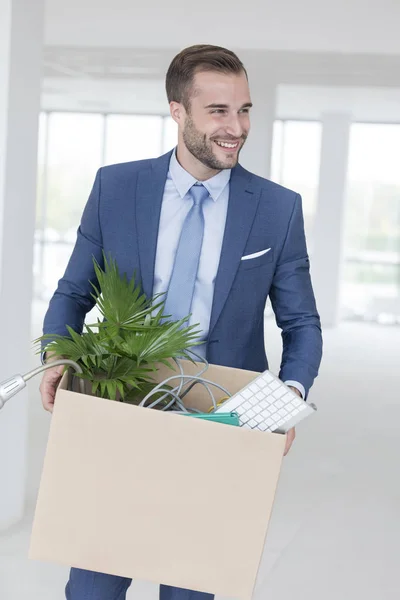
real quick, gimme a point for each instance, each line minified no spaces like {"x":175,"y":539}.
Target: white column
{"x":327,"y":255}
{"x":256,"y":154}
{"x":21,"y":39}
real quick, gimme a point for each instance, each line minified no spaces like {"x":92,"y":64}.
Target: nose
{"x":234,"y":126}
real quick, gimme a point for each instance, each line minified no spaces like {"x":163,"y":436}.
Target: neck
{"x":192,"y":165}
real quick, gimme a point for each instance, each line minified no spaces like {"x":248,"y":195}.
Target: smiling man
{"x":211,"y":130}
{"x":216,"y":238}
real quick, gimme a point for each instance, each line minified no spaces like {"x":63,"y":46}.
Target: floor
{"x":335,"y":528}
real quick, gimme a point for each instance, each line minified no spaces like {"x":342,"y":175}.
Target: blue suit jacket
{"x":122,"y":217}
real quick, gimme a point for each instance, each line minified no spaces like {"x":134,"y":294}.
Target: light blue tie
{"x":187,"y":258}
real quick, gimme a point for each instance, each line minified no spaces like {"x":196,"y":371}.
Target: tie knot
{"x":199,"y":193}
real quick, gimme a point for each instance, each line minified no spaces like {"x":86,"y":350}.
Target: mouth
{"x":228,"y":147}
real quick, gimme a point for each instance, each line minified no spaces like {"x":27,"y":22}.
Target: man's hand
{"x":291,"y":434}
{"x":50,"y":381}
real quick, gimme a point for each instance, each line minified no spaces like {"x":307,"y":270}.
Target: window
{"x":295,"y":162}
{"x":72,"y":147}
{"x":68,"y":161}
{"x":38,"y":250}
{"x":170,"y":134}
{"x":132,"y":137}
{"x":371,"y":286}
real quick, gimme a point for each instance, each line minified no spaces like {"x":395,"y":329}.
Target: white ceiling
{"x":279,"y":66}
{"x":322,"y":55}
{"x":132,"y":80}
{"x":353,"y":26}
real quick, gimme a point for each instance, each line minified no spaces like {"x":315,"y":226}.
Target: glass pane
{"x":295,"y":163}
{"x":372,"y":229}
{"x":42,"y":134}
{"x":38,"y":249}
{"x":132,"y":137}
{"x":74,"y":155}
{"x":277,"y":147}
{"x":170,"y":139}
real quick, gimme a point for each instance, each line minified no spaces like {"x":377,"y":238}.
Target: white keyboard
{"x":268,"y":404}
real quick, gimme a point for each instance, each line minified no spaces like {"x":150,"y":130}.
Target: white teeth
{"x":226,"y":145}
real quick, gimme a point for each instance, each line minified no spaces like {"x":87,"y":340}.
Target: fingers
{"x":290,"y":436}
{"x":48,"y":386}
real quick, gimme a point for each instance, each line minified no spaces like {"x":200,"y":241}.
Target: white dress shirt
{"x":175,"y":206}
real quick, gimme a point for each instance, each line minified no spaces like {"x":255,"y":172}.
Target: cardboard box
{"x":152,"y":495}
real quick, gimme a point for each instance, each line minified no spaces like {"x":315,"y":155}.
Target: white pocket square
{"x":255,"y":255}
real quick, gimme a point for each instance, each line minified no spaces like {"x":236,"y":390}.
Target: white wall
{"x":21,"y":28}
{"x":366,"y":104}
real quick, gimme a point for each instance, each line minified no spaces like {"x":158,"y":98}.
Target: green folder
{"x":228,"y":418}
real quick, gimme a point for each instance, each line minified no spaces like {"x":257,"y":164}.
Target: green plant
{"x":118,"y":353}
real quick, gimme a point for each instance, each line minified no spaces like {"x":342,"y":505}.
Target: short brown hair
{"x":189,"y":61}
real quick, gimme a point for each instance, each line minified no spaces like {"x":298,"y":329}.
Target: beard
{"x":202,"y":148}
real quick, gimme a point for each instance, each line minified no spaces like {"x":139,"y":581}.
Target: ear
{"x":177,"y":112}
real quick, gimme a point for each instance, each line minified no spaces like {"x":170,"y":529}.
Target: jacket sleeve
{"x":73,"y":299}
{"x":294,"y":305}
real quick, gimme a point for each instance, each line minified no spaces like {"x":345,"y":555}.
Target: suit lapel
{"x":149,"y":195}
{"x":242,"y":207}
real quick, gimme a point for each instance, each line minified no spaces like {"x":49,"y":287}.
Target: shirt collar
{"x":183,"y":180}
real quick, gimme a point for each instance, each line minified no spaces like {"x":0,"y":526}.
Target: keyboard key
{"x":253,"y":388}
{"x":263,"y":426}
{"x":259,"y":419}
{"x":279,"y":392}
{"x":266,"y":412}
{"x":246,"y":405}
{"x":251,"y":414}
{"x":252,"y":424}
{"x":260,"y":396}
{"x":233,"y":402}
{"x":267,"y":377}
{"x":246,"y":393}
{"x":289,"y":406}
{"x":278,"y":403}
{"x":274,"y":385}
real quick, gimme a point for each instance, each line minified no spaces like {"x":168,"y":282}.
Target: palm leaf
{"x":119,"y":354}
{"x":120,"y":302}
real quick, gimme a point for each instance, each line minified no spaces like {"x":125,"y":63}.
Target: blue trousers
{"x":88,"y":585}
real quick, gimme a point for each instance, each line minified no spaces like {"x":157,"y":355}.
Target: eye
{"x":217,"y":111}
{"x":244,"y":110}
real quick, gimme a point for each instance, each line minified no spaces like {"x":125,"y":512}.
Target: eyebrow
{"x":247,"y":105}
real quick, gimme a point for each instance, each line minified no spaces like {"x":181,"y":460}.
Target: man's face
{"x":217,"y":123}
